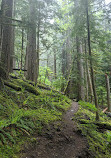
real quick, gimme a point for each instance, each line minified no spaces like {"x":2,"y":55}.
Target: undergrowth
{"x":99,"y":139}
{"x":22,"y":114}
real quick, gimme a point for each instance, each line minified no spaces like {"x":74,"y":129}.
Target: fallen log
{"x":38,"y":85}
{"x":101,"y":125}
{"x":43,"y":87}
{"x":14,"y":77}
{"x":27,"y":87}
{"x":11,"y":85}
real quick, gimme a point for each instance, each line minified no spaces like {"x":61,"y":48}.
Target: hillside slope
{"x":24,"y":110}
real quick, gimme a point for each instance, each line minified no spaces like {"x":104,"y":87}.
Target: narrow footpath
{"x":60,"y":140}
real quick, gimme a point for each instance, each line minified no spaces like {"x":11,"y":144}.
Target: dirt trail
{"x":61,"y":140}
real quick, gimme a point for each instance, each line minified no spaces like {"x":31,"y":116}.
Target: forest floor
{"x":59,"y":140}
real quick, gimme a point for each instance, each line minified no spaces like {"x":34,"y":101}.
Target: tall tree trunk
{"x":38,"y":40}
{"x":12,"y":59}
{"x":31,"y":45}
{"x":88,"y":78}
{"x":78,"y":65}
{"x":7,"y":42}
{"x":13,"y":64}
{"x":80,"y":81}
{"x":55,"y":64}
{"x":1,"y":33}
{"x":0,"y":39}
{"x":91,"y":63}
{"x":82,"y":90}
{"x":22,"y":49}
{"x":63,"y":67}
{"x":108,"y":92}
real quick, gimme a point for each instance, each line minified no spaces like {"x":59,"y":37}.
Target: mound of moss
{"x":98,"y":133}
{"x":25,"y":112}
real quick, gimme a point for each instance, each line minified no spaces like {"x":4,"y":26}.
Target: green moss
{"x":23,"y":113}
{"x":99,"y":142}
{"x":88,"y":106}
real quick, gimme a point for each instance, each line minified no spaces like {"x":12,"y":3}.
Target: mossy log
{"x":41,"y":86}
{"x":14,"y":77}
{"x":27,"y":87}
{"x":101,"y":125}
{"x":32,"y":83}
{"x":13,"y":86}
{"x":38,"y":85}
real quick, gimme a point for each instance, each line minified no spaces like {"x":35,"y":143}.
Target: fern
{"x":2,"y":138}
{"x":24,"y":127}
{"x":8,"y":136}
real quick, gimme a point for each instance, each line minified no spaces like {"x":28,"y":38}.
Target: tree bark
{"x":31,"y":45}
{"x":80,"y":81}
{"x":82,"y":90}
{"x":108,"y":92}
{"x":63,"y":66}
{"x":88,"y":77}
{"x":7,"y":42}
{"x":91,"y":63}
{"x":22,"y":49}
{"x":55,"y":64}
{"x":38,"y":39}
{"x":0,"y":35}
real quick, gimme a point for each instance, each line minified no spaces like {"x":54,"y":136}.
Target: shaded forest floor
{"x":37,"y":121}
{"x":59,"y":140}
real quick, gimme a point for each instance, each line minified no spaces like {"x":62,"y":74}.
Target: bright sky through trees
{"x":108,"y":1}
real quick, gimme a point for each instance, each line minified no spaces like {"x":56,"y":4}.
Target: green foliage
{"x":108,"y":137}
{"x":57,"y":83}
{"x":88,"y":106}
{"x":101,"y":92}
{"x":23,"y":113}
{"x":99,"y":142}
{"x":44,"y":73}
